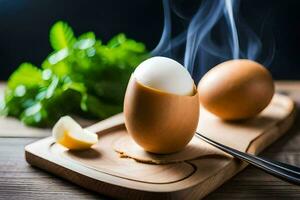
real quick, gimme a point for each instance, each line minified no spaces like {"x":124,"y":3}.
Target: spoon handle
{"x":285,"y":172}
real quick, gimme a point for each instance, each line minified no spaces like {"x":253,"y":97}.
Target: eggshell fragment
{"x":236,"y":89}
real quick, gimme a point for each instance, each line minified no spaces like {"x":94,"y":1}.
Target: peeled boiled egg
{"x":236,"y":89}
{"x":71,"y":135}
{"x":165,"y":74}
{"x":161,"y":106}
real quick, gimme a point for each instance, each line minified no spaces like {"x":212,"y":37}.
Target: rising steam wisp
{"x":213,"y":36}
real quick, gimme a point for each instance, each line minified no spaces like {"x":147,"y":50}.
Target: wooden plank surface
{"x":202,"y":169}
{"x":20,"y":181}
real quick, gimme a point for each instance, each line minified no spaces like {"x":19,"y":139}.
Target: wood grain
{"x":18,"y":180}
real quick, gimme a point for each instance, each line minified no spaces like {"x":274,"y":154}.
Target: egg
{"x":71,"y":135}
{"x":165,"y":74}
{"x":236,"y":89}
{"x":161,"y":106}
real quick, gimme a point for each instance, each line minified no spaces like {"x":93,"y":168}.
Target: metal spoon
{"x":283,"y":171}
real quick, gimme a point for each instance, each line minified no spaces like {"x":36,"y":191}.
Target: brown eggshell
{"x":236,"y":89}
{"x":160,"y":122}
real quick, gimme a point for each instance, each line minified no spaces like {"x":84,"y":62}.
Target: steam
{"x":235,"y":48}
{"x":166,"y":34}
{"x":215,"y":33}
{"x":200,"y":26}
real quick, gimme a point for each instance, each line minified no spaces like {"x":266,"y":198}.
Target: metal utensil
{"x":285,"y":172}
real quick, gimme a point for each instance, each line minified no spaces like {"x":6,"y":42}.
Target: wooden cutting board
{"x":101,"y":168}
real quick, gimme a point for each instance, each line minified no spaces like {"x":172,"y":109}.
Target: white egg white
{"x":165,"y":74}
{"x":68,"y":124}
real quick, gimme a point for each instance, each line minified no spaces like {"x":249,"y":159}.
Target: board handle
{"x":112,"y":122}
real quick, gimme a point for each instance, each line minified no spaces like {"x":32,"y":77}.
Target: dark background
{"x":24,"y":26}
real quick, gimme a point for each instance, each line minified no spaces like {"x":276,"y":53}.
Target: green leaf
{"x":87,"y":35}
{"x":61,"y":36}
{"x":57,"y":63}
{"x":134,"y":46}
{"x":16,"y":100}
{"x":117,"y":40}
{"x":81,"y":76}
{"x":34,"y":115}
{"x":27,"y":75}
{"x":100,"y":109}
{"x":51,"y":88}
{"x":58,"y":56}
{"x":79,"y":87}
{"x":86,"y":41}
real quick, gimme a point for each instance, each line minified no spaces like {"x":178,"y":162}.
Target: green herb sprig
{"x":82,"y":76}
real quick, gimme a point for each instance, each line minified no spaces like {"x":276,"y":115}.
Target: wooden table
{"x":18,"y":180}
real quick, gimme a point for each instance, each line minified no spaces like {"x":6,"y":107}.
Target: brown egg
{"x":236,"y":89}
{"x":158,"y":121}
